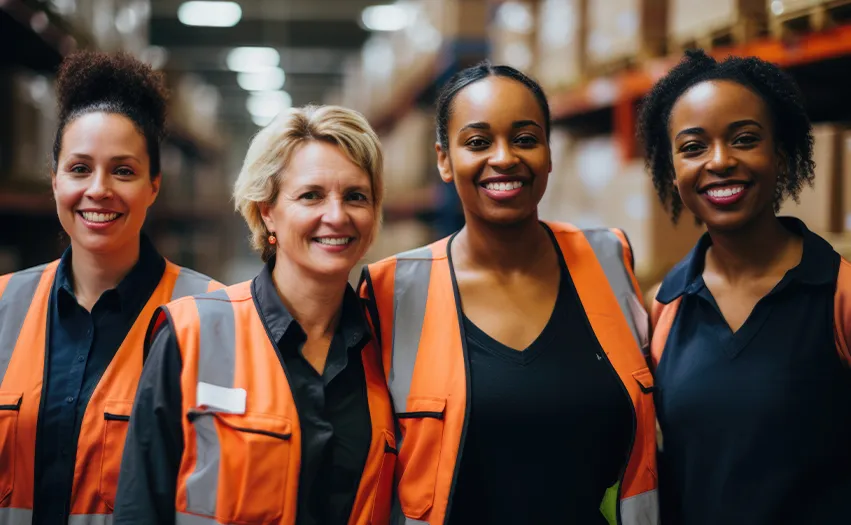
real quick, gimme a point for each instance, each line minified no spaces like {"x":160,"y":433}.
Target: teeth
{"x":99,"y":217}
{"x":334,"y":241}
{"x":503,"y":186}
{"x":725,"y":192}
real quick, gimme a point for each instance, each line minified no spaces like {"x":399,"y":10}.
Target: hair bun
{"x":89,"y":78}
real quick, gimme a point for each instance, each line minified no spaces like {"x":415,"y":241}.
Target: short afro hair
{"x":90,"y":81}
{"x":792,"y":129}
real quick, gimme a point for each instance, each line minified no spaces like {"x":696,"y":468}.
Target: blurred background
{"x":233,"y":65}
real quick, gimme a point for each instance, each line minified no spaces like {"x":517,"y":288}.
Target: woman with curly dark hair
{"x":71,"y":331}
{"x":750,"y":329}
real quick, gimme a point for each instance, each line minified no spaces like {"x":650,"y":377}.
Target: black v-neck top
{"x":549,"y":428}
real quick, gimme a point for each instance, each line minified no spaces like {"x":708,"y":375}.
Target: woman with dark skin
{"x":751,"y":355}
{"x":510,"y":349}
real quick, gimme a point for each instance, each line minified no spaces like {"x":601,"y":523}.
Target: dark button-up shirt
{"x":80,"y":346}
{"x":755,"y":424}
{"x":332,"y":407}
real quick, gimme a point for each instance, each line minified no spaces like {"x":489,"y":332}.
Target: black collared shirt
{"x":755,"y":424}
{"x":80,"y":346}
{"x":333,"y":411}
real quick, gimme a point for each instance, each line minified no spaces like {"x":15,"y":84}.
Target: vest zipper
{"x":468,"y":400}
{"x":629,"y":399}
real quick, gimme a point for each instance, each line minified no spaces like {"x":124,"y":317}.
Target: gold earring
{"x":272,"y":239}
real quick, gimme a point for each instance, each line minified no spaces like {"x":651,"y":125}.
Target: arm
{"x":147,"y":484}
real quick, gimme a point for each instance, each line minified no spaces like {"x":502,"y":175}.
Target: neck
{"x":751,"y":251}
{"x":95,"y":273}
{"x":315,"y":303}
{"x":503,"y":248}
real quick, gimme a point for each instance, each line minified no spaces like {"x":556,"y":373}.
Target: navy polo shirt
{"x":80,"y":346}
{"x":756,"y":424}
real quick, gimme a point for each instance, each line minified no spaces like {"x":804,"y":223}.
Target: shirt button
{"x":80,"y":358}
{"x":69,"y":399}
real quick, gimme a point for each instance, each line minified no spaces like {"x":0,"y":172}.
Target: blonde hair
{"x":272,"y":148}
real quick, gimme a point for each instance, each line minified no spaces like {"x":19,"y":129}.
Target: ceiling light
{"x":386,"y":17}
{"x":269,"y":79}
{"x":268,"y":103}
{"x":250,"y":59}
{"x":209,"y":14}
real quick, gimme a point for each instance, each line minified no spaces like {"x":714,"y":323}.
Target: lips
{"x":99,"y":217}
{"x":726,"y":194}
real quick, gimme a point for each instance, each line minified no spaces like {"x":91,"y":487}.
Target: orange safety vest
{"x":242,"y":438}
{"x":415,"y":309}
{"x":24,"y":299}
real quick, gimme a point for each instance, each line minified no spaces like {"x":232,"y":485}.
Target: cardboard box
{"x":560,"y":44}
{"x":512,"y":34}
{"x":624,"y":31}
{"x":693,"y":20}
{"x":820,"y":207}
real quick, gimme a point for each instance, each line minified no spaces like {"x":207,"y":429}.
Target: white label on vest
{"x":221,"y":399}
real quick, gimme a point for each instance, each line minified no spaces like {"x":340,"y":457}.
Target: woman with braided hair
{"x":71,"y":331}
{"x":751,"y":329}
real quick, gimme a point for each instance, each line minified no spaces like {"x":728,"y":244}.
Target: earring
{"x":272,"y":239}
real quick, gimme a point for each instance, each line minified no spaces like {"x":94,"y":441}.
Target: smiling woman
{"x":276,"y":381}
{"x":511,"y":333}
{"x":750,"y":334}
{"x":72,"y":330}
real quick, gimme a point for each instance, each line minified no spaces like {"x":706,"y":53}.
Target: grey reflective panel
{"x":14,"y":306}
{"x":189,"y":282}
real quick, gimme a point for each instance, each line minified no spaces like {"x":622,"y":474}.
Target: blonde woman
{"x":265,"y":402}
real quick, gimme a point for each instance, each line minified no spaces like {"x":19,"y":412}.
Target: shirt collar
{"x":279,"y":321}
{"x":817,"y":266}
{"x":131,"y":293}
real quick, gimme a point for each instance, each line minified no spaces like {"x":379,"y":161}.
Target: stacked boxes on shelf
{"x":696,"y":23}
{"x":623,"y":32}
{"x":560,"y":43}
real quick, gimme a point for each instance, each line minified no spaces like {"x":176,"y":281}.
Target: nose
{"x":335,"y":212}
{"x":503,"y":158}
{"x":722,"y":160}
{"x":100,"y":185}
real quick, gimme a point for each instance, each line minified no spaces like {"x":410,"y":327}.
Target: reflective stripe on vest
{"x":241,"y":462}
{"x":412,"y":274}
{"x":24,"y":302}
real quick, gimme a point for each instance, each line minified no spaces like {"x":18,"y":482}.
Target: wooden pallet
{"x":742,"y":31}
{"x":811,"y":19}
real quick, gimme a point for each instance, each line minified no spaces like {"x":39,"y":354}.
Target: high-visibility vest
{"x":24,"y":299}
{"x":415,"y":310}
{"x":242,"y":454}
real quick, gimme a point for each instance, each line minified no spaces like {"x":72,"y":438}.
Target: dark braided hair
{"x":473,"y":74}
{"x":792,"y":129}
{"x":91,"y":82}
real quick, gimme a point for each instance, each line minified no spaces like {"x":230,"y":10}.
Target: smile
{"x":725,"y":192}
{"x":334,"y":241}
{"x":97,"y":217}
{"x":503,"y":186}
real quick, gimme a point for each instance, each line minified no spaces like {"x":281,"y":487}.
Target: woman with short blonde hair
{"x":283,"y":400}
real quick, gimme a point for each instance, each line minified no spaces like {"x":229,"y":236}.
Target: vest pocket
{"x":241,"y":468}
{"x":419,"y":455}
{"x":386,"y":480}
{"x":116,"y":415}
{"x":10,"y":407}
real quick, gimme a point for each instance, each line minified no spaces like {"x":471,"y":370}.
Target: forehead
{"x":103,"y":133}
{"x":717,"y":102}
{"x":321,"y":163}
{"x":494,"y":100}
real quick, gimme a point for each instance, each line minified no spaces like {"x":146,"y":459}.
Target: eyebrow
{"x":115,"y":158}
{"x":733,"y":125}
{"x":514,"y":125}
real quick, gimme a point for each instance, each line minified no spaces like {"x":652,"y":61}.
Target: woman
{"x":513,"y":348}
{"x":71,"y":331}
{"x":264,"y":402}
{"x":751,"y":367}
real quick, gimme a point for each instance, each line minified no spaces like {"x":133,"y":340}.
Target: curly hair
{"x":118,"y":83}
{"x":791,"y":125}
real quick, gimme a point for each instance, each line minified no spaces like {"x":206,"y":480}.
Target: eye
{"x":357,"y":196}
{"x":124,"y":171}
{"x":79,"y":168}
{"x":477,"y":143}
{"x":747,"y":139}
{"x":309,"y":196}
{"x":527,"y":140}
{"x":691,"y":147}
